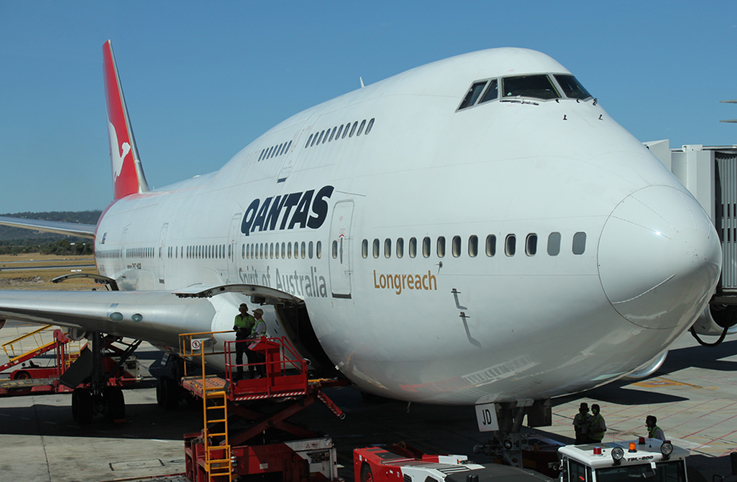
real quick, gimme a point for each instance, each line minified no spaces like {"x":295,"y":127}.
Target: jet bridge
{"x":710,"y":174}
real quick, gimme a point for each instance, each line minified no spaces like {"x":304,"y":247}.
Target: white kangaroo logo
{"x":115,"y":154}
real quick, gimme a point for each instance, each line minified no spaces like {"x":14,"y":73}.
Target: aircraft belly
{"x":500,"y":349}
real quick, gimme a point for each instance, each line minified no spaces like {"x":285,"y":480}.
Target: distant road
{"x":50,"y":266}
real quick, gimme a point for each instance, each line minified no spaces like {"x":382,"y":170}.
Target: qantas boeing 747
{"x":476,"y":230}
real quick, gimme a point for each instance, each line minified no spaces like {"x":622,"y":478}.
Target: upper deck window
{"x":537,"y":86}
{"x":572,"y":87}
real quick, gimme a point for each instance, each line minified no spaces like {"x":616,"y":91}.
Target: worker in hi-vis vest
{"x":653,"y":431}
{"x":597,"y":425}
{"x":243,"y":325}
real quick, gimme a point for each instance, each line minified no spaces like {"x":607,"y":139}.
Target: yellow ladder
{"x":37,"y":337}
{"x":214,"y":405}
{"x":215,"y":410}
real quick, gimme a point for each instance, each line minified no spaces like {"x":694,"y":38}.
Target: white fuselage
{"x":612,"y":261}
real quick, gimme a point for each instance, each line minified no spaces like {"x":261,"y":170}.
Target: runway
{"x":694,"y":396}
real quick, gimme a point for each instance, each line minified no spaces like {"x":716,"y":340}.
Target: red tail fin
{"x":128,"y":175}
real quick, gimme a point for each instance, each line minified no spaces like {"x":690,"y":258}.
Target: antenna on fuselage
{"x":361,"y":79}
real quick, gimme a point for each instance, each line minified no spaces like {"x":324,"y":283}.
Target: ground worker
{"x":258,"y":330}
{"x":243,"y":325}
{"x":581,"y":423}
{"x":653,"y":431}
{"x":597,"y":425}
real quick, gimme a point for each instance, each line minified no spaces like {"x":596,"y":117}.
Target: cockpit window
{"x":572,"y":87}
{"x":473,"y":94}
{"x":491,"y":92}
{"x":538,"y":86}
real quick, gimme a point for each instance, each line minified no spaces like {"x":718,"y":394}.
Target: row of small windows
{"x":536,"y":86}
{"x":345,"y":130}
{"x":109,"y":253}
{"x":140,"y":252}
{"x":274,"y":151}
{"x":578,"y":246}
{"x":284,"y":250}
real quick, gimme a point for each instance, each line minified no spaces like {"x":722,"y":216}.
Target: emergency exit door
{"x":339,"y":254}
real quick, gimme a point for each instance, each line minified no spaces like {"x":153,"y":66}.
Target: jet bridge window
{"x":572,"y":87}
{"x":537,"y":86}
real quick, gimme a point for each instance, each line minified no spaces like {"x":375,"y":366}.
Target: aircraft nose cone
{"x":659,"y":258}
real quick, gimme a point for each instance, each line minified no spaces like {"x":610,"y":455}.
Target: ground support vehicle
{"x":241,"y":439}
{"x":60,"y":373}
{"x":646,"y":458}
{"x":401,"y":464}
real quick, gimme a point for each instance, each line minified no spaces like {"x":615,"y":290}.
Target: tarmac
{"x":694,"y":396}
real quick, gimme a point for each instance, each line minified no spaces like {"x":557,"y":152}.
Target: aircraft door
{"x":235,"y":225}
{"x":162,"y":253}
{"x":340,"y":250}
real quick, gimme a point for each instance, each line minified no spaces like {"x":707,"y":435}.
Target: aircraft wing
{"x":72,"y":229}
{"x":155,"y":316}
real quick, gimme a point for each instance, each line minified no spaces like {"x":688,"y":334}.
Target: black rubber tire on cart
{"x":167,"y":393}
{"x":82,"y":409}
{"x":114,"y":403}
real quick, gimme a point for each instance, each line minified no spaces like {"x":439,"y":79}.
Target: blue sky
{"x":202,"y":80}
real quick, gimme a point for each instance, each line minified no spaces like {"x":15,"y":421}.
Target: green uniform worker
{"x":653,"y":431}
{"x":242,"y":326}
{"x":597,"y":426}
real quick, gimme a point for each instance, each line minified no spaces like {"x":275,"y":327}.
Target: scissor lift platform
{"x":216,"y":454}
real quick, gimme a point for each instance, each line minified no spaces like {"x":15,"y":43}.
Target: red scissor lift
{"x":219,"y":453}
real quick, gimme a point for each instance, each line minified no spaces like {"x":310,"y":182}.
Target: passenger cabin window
{"x":441,"y":247}
{"x":510,"y":245}
{"x":376,"y":248}
{"x":490,"y":245}
{"x":537,"y":86}
{"x":387,"y":248}
{"x":456,"y":246}
{"x":579,"y":243}
{"x":412,"y":247}
{"x":400,"y":247}
{"x":473,"y":246}
{"x":572,"y":88}
{"x":364,"y":249}
{"x":473,"y":94}
{"x":554,"y":244}
{"x":426,"y":247}
{"x":531,"y":245}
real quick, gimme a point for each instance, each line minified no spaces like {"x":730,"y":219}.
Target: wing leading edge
{"x":155,"y":316}
{"x":71,"y":229}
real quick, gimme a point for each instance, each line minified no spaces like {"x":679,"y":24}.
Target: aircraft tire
{"x":167,"y":393}
{"x":114,"y":403}
{"x":82,"y":409}
{"x":366,"y":474}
